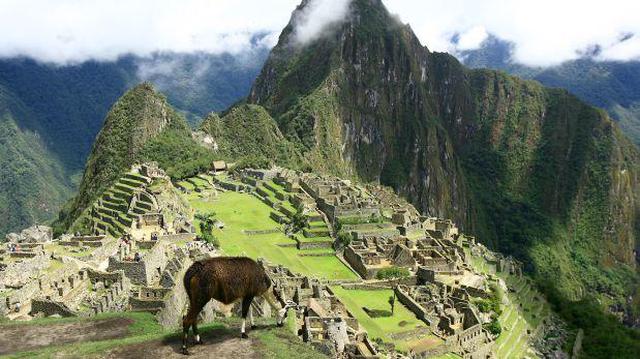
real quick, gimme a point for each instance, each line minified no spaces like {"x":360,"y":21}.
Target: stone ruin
{"x":450,"y":315}
{"x":33,"y":234}
{"x":437,"y":250}
{"x":320,"y":317}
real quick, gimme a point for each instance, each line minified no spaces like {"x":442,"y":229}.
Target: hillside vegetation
{"x":531,"y":171}
{"x":140,"y":127}
{"x":63,"y":108}
{"x":248,"y":133}
{"x":32,"y":182}
{"x":611,"y":85}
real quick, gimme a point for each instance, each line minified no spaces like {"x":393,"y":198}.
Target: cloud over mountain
{"x":317,"y":16}
{"x":544,"y":32}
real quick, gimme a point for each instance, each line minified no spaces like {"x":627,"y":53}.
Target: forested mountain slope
{"x":532,"y":171}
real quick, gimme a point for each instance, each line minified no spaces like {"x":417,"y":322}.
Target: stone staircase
{"x":120,"y":205}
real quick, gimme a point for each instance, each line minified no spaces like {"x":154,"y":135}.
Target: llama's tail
{"x":190,"y":273}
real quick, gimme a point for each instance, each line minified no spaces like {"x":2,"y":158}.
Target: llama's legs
{"x":246,"y":305}
{"x":190,"y":321}
{"x":253,"y":323}
{"x":187,"y":322}
{"x":199,"y":307}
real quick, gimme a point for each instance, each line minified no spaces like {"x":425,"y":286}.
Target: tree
{"x":207,"y":223}
{"x":344,"y":239}
{"x":392,"y":301}
{"x":298,"y":221}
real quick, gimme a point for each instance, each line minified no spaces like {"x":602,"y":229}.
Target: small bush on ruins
{"x":207,"y":223}
{"x":494,"y":326}
{"x":495,"y":300}
{"x":344,"y":239}
{"x":299,"y":221}
{"x":392,"y":272}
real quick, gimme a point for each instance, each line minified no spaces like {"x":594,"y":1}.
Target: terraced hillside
{"x":523,"y":312}
{"x":254,"y":225}
{"x":315,"y":234}
{"x":117,"y":208}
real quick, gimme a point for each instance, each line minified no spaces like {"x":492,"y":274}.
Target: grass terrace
{"x":399,"y":329}
{"x":110,"y":213}
{"x":243,"y":212}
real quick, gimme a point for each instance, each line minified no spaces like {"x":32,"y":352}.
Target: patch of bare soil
{"x":18,"y":338}
{"x":219,"y":343}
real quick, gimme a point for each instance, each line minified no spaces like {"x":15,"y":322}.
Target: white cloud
{"x":316,"y":17}
{"x":68,"y":31}
{"x":544,"y":32}
{"x":472,"y":38}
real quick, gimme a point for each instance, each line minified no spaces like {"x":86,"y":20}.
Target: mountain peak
{"x":139,"y":116}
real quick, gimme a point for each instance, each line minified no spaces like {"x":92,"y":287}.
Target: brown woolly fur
{"x":225,"y":279}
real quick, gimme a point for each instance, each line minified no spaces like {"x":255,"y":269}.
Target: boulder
{"x":33,"y":234}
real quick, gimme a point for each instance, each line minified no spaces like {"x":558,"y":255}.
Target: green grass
{"x":275,"y":343}
{"x":241,"y":212}
{"x":143,"y":328}
{"x":283,"y":344}
{"x":383,"y":327}
{"x":186,"y":185}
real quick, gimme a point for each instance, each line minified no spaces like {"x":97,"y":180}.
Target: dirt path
{"x":18,"y":338}
{"x":220,"y":343}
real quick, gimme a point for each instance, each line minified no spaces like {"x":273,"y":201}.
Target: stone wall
{"x":303,"y":245}
{"x":148,"y":270}
{"x":413,"y":306}
{"x":22,"y":295}
{"x":18,"y":274}
{"x":135,"y":271}
{"x":49,"y":307}
{"x":355,"y":260}
{"x":177,"y":237}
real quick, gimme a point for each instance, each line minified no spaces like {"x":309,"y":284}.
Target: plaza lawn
{"x":243,"y":212}
{"x":385,"y":327}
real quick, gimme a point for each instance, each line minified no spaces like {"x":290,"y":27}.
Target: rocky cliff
{"x":530,"y":170}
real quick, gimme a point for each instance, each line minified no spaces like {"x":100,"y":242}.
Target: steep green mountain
{"x":64,"y":108}
{"x":141,"y":126}
{"x":32,"y":182}
{"x":532,"y":171}
{"x":199,"y":83}
{"x":249,"y":134}
{"x":612,"y":85}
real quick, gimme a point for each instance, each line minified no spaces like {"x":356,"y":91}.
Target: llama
{"x":225,"y":279}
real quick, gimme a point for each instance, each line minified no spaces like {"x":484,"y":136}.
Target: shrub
{"x":344,"y":239}
{"x":207,"y":223}
{"x":392,"y":272}
{"x":493,"y":327}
